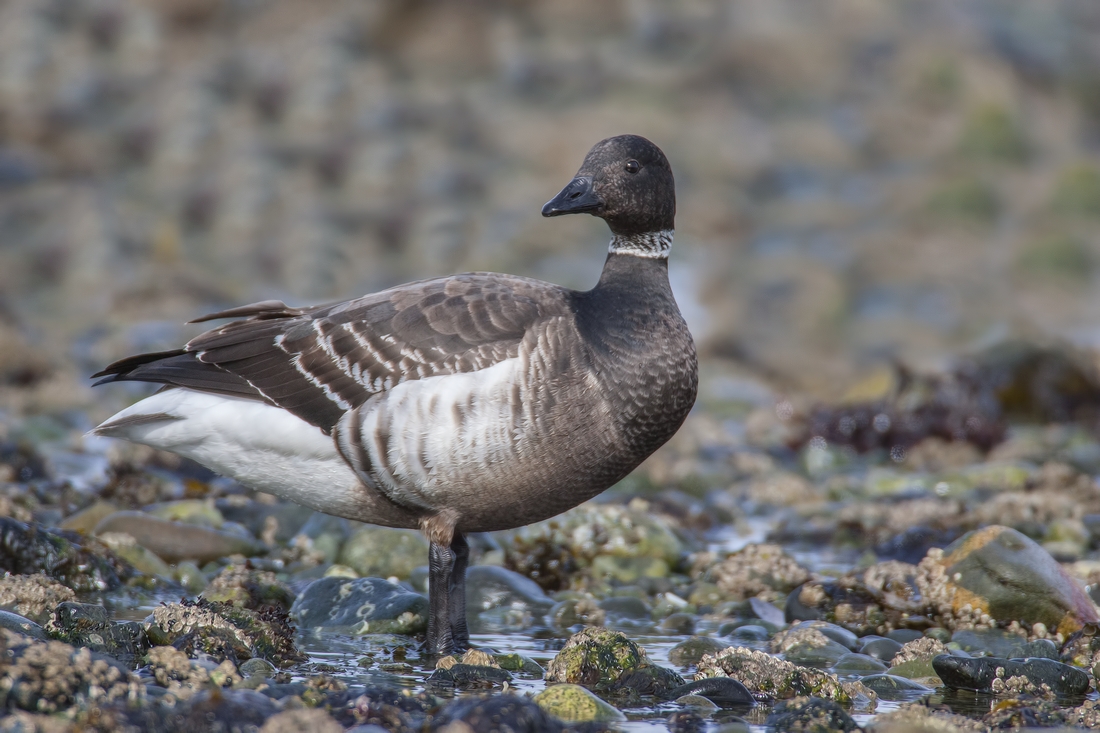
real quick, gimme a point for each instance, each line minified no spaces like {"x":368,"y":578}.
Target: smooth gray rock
{"x":360,"y":606}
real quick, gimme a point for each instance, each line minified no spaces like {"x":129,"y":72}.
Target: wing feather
{"x":319,"y":362}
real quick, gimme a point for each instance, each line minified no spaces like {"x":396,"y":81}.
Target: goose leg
{"x":441,"y":564}
{"x":456,"y":607}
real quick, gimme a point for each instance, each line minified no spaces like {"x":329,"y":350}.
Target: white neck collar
{"x":654,"y":245}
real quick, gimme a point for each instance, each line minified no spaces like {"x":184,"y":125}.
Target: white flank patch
{"x":451,"y":424}
{"x":260,"y":445}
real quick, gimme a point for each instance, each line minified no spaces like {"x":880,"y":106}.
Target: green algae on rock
{"x":764,"y":674}
{"x":88,"y":625}
{"x":575,"y":704}
{"x":224,"y":631}
{"x":598,"y":658}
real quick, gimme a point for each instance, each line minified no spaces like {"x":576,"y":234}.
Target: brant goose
{"x":468,"y":403}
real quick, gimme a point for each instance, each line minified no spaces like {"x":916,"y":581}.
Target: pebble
{"x":856,"y":663}
{"x":469,"y":677}
{"x":749,"y":632}
{"x":626,"y":607}
{"x":22,"y":625}
{"x":904,"y":636}
{"x":1011,"y":676}
{"x":894,"y":688}
{"x":360,"y":606}
{"x":175,"y":541}
{"x":689,"y":651}
{"x":725,"y":692}
{"x":575,"y":704}
{"x":879,"y":648}
{"x":498,"y":597}
{"x":382,"y":552}
{"x":810,"y":714}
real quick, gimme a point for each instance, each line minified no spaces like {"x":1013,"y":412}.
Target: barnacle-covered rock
{"x":79,"y":563}
{"x":240,"y":585}
{"x":34,"y":596}
{"x":224,"y":631}
{"x":607,"y":660}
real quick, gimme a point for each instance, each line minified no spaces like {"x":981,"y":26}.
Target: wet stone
{"x":697,"y":703}
{"x":48,"y":677}
{"x":626,"y":607}
{"x":880,"y":648}
{"x":84,"y":568}
{"x":495,"y":713}
{"x":1011,"y":676}
{"x":892,"y":687}
{"x":855,"y":663}
{"x":646,"y":680}
{"x":382,"y":552}
{"x":500,"y":599}
{"x":767,"y":675}
{"x":903,"y":636}
{"x":240,"y":585}
{"x":810,"y":714}
{"x":305,"y":719}
{"x":88,"y":625}
{"x":257,"y":668}
{"x":724,"y":692}
{"x":575,"y":704}
{"x":174,"y":541}
{"x":749,"y":632}
{"x":764,"y":571}
{"x":990,"y":642}
{"x":690,"y":651}
{"x":34,"y":596}
{"x":678,"y":623}
{"x":360,"y":606}
{"x":469,"y":677}
{"x":593,"y":656}
{"x":998,"y":574}
{"x":22,"y":625}
{"x":222,"y":632}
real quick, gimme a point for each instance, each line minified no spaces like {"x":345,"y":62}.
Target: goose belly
{"x":482,"y":443}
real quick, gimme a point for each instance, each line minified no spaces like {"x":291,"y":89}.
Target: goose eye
{"x":632,"y":166}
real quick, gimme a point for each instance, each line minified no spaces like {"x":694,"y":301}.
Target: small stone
{"x":302,"y":719}
{"x":360,"y":606}
{"x":46,"y":677}
{"x":21,"y":625}
{"x":519,"y":663}
{"x":690,"y":651}
{"x":83,"y":568}
{"x":189,"y":575}
{"x":880,"y":648}
{"x":200,"y":512}
{"x":997,"y":574}
{"x":495,"y":713}
{"x":498,"y":599}
{"x":892,"y":687}
{"x":904,"y":636}
{"x":575,"y":704}
{"x":762,"y":673}
{"x":749,"y":632}
{"x":34,"y":596}
{"x":239,"y":585}
{"x":854,"y":663}
{"x":86,"y":519}
{"x":595,"y":657}
{"x":627,"y":607}
{"x":697,"y":702}
{"x":256,"y":667}
{"x":175,"y":541}
{"x":765,"y":571}
{"x":382,"y":552}
{"x":129,"y":550}
{"x":678,"y":623}
{"x":88,"y":625}
{"x":1043,"y":677}
{"x":724,"y":692}
{"x":469,"y":677}
{"x":810,"y":714}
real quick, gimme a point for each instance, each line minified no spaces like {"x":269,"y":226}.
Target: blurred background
{"x":860,"y":181}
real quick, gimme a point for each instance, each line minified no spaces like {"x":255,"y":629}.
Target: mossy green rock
{"x":381,"y":552}
{"x":575,"y":704}
{"x":595,"y":657}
